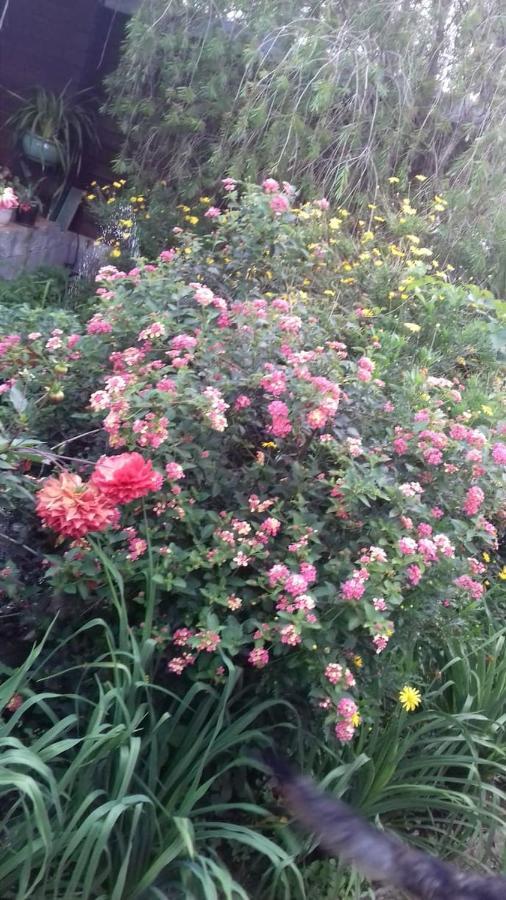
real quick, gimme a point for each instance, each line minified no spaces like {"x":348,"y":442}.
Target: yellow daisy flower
{"x":410,"y":698}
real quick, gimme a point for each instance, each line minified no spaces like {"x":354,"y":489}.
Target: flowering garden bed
{"x":278,"y":446}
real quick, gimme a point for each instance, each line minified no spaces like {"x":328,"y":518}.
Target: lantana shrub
{"x":266,"y":457}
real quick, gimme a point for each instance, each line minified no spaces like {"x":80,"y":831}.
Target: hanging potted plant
{"x":29,"y":204}
{"x":52,"y":128}
{"x":8,"y":203}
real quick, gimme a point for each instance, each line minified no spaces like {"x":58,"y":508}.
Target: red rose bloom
{"x":125,"y":477}
{"x":73,"y":508}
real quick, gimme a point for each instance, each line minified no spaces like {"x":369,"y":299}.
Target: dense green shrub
{"x":332,"y":472}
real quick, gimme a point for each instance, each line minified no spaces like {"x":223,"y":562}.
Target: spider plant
{"x":63,"y":120}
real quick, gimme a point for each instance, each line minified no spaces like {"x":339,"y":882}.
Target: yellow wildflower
{"x":410,"y":698}
{"x":358,"y":662}
{"x":329,"y":293}
{"x":204,"y":199}
{"x":126,"y":223}
{"x":269,"y":444}
{"x":421,"y":251}
{"x":421,"y":177}
{"x":117,"y":184}
{"x":407,"y":209}
{"x":487,"y":410}
{"x":412,"y":326}
{"x":191,"y":219}
{"x":367,"y":236}
{"x":486,"y":556}
{"x":356,"y":719}
{"x":394,"y":180}
{"x":413,"y":238}
{"x":209,"y":261}
{"x":116,"y":252}
{"x":187,"y":250}
{"x":343,"y":212}
{"x":502,"y":573}
{"x":334,"y":224}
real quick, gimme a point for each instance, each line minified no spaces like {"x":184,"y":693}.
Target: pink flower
{"x":308,"y":572}
{"x":258,"y":657}
{"x":274,"y":383}
{"x":166,"y":385}
{"x":242,"y":402}
{"x":400,"y":445}
{"x":125,"y":477}
{"x":334,"y":673}
{"x":8,"y":199}
{"x":288,"y":635}
{"x":352,"y":589}
{"x":424,"y":529}
{"x":212,"y":213}
{"x":270,"y":185}
{"x":316,"y":418}
{"x":279,"y":204}
{"x":278,"y":573}
{"x":179,"y":663}
{"x":323,"y":204}
{"x":344,"y":731}
{"x":182,"y":636}
{"x":174,"y":471}
{"x":414,"y":574}
{"x":466,"y":583}
{"x":281,"y":305}
{"x":428,"y":549}
{"x":98,"y":325}
{"x":229,"y":184}
{"x":207,"y":641}
{"x":433,"y":457}
{"x":437,"y":512}
{"x":380,"y":641}
{"x":73,"y":508}
{"x":379,"y":604}
{"x":203,"y":295}
{"x":474,"y":499}
{"x":499,"y":453}
{"x":295,"y":584}
{"x":167,"y":256}
{"x":136,"y":548}
{"x":271,"y":526}
{"x":459,"y":432}
{"x":407,"y":546}
{"x":365,"y":369}
{"x":347,"y":707}
{"x":290,"y":324}
{"x":411,"y":489}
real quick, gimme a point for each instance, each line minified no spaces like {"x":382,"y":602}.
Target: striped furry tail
{"x":376,"y":855}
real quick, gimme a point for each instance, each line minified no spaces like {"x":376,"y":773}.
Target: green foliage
{"x":118,"y":788}
{"x":331,"y":95}
{"x":42,"y":288}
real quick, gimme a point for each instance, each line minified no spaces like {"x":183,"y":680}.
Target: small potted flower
{"x":29,"y":204}
{"x":8,"y":203}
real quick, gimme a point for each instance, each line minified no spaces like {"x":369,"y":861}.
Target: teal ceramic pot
{"x":39,"y":149}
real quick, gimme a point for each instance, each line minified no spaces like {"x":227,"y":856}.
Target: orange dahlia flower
{"x":125,"y":477}
{"x":72,"y":507}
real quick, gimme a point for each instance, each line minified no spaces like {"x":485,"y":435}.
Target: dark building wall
{"x":52,"y":43}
